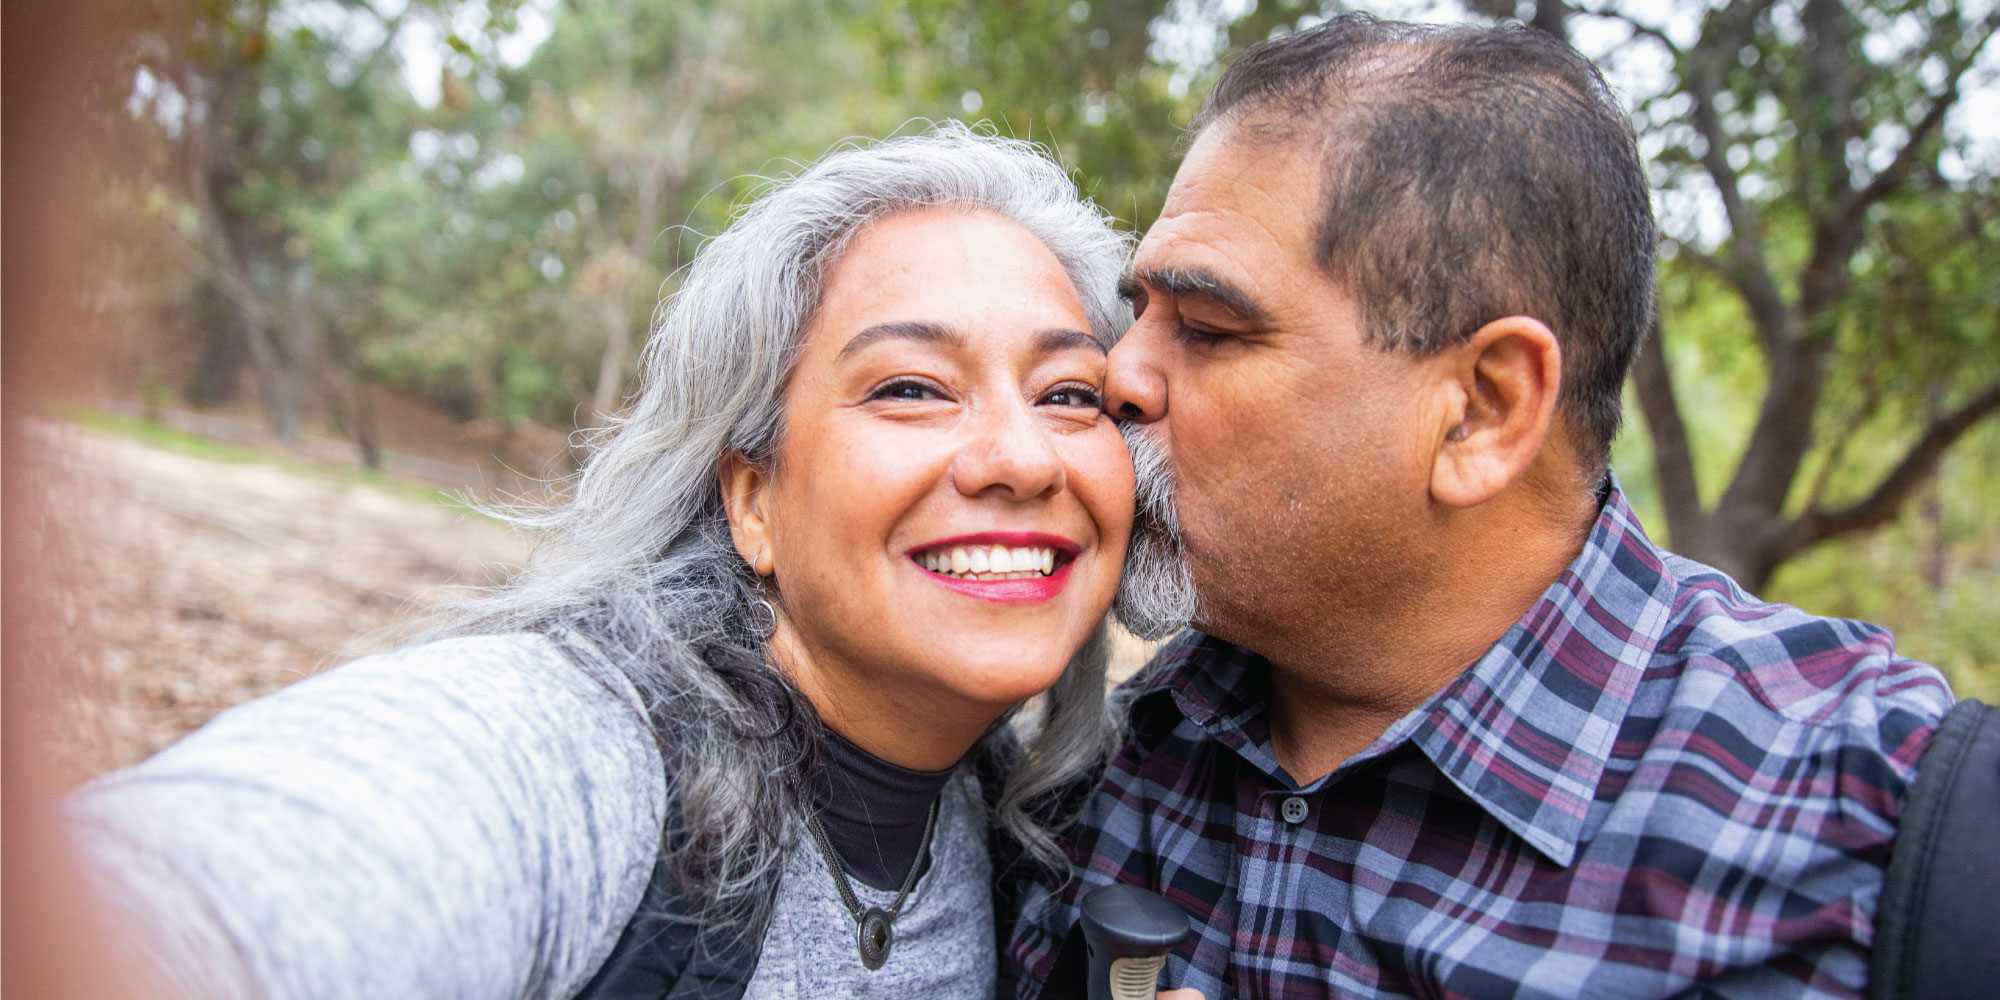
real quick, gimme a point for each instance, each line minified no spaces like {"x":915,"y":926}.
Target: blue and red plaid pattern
{"x":1653,"y":783}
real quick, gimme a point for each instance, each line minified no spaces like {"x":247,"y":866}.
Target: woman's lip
{"x":1020,"y":591}
{"x":1013,"y":539}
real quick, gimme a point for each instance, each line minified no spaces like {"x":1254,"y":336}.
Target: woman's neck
{"x":873,"y":811}
{"x":898,"y":723}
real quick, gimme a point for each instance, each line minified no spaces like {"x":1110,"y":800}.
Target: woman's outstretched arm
{"x":472,"y":818}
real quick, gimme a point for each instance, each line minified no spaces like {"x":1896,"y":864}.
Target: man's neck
{"x":1337,"y":685}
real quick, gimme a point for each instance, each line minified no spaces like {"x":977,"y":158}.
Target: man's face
{"x":1301,"y":452}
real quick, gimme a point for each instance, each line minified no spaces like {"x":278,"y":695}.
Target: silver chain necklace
{"x":874,"y":935}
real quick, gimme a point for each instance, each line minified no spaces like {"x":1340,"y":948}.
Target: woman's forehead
{"x":943,"y":278}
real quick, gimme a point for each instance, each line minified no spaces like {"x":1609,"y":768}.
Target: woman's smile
{"x":1000,"y":566}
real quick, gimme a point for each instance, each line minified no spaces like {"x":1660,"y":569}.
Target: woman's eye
{"x":907,"y":388}
{"x":1074,"y":395}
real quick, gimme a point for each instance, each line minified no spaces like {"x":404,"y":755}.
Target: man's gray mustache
{"x":1156,"y":597}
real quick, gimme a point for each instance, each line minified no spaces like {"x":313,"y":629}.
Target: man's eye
{"x":1197,"y":338}
{"x":1073,"y":395}
{"x":907,"y":388}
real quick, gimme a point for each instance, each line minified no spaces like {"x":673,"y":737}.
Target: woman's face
{"x":949,"y":506}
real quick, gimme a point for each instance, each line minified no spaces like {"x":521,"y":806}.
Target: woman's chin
{"x":1000,"y":682}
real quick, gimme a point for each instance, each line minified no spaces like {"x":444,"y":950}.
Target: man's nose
{"x":1009,"y":456}
{"x":1134,"y":387}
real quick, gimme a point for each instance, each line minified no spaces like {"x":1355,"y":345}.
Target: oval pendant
{"x":875,"y":938}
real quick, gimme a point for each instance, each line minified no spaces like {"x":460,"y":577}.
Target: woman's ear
{"x":744,"y":488}
{"x":1507,"y":377}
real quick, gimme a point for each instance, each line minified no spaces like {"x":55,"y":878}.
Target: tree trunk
{"x":610,"y":388}
{"x":218,"y":369}
{"x":1673,"y":452}
{"x":276,"y":387}
{"x":365,"y":437}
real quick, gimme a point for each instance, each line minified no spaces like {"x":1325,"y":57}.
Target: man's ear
{"x":744,"y":498}
{"x":1505,"y":380}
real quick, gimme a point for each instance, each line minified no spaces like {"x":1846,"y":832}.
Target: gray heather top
{"x":474,"y":818}
{"x":943,"y":943}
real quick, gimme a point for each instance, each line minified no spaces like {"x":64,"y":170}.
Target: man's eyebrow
{"x":918,"y":330}
{"x":1191,"y":283}
{"x":1051,"y":341}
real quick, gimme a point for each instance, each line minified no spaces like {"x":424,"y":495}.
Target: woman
{"x":710,"y":743}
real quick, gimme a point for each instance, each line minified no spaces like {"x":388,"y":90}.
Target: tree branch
{"x":1707,"y":261}
{"x":1759,"y":295}
{"x":1838,"y":235}
{"x":1749,"y":266}
{"x":1673,"y":456}
{"x":1778,"y":443}
{"x":1638,"y":27}
{"x":1893,"y":176}
{"x":1825,"y":110}
{"x":391,"y":27}
{"x":1882,"y":504}
{"x":1552,"y":16}
{"x":1871,"y":401}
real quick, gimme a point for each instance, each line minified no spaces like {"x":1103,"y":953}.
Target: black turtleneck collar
{"x":873,"y":810}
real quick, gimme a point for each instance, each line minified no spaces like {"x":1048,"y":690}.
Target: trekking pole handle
{"x":1128,"y":933}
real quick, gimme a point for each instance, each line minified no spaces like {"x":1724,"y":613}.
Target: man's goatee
{"x":1156,"y":598}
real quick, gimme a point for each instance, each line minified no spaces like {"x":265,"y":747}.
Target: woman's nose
{"x":1134,"y":388}
{"x":1010,"y":456}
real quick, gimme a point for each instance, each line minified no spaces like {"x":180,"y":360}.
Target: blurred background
{"x":320,"y":268}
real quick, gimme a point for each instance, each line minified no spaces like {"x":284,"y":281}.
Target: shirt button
{"x":1293,"y":810}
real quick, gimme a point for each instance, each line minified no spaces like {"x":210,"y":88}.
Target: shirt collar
{"x":1221,"y":687}
{"x":1527,"y":729}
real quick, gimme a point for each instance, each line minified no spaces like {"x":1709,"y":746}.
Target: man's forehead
{"x":1235,"y":206}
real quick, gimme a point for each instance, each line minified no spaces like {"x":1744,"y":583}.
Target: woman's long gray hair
{"x":637,"y":573}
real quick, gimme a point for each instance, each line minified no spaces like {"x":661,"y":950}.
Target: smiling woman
{"x":946,"y":402}
{"x":741,"y":726}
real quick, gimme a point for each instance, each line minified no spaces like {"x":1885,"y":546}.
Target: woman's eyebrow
{"x":921,"y":331}
{"x":1051,"y":341}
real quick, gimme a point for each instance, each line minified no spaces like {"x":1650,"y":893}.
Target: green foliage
{"x":1933,"y":577}
{"x":1073,"y":74}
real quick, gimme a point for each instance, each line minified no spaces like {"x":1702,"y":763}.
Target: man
{"x":1452,"y":726}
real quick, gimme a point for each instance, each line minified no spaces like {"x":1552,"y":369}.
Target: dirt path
{"x":187,"y":585}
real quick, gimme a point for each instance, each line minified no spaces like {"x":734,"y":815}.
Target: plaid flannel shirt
{"x":1652,"y":784}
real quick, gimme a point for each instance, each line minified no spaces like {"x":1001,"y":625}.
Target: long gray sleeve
{"x":474,"y":818}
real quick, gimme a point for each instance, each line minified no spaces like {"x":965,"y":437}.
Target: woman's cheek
{"x":1109,"y":468}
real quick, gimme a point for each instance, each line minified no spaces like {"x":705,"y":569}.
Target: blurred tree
{"x":1826,"y":274}
{"x":1109,"y":85}
{"x":262,"y":111}
{"x":1853,"y":249}
{"x":1077,"y":75}
{"x":643,"y":91}
{"x":1853,"y":253}
{"x":550,"y":202}
{"x":516,"y":281}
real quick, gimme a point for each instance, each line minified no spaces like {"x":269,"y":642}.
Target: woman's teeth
{"x":990,"y":562}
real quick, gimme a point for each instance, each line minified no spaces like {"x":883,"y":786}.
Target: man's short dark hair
{"x":1471,"y":174}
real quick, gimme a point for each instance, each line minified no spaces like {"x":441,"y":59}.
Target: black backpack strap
{"x":664,"y":955}
{"x":1935,"y":926}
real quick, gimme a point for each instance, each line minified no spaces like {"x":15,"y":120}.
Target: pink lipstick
{"x":935,"y":559}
